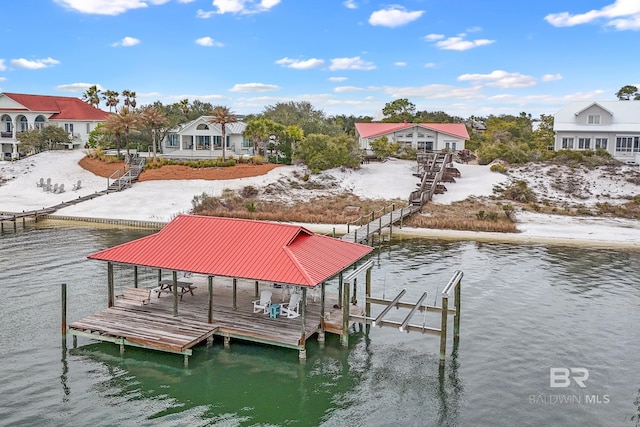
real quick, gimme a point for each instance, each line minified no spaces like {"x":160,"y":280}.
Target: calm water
{"x":525,"y":309}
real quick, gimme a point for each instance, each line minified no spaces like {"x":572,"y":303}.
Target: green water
{"x":525,"y":309}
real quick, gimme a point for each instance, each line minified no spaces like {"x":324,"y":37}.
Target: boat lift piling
{"x":451,"y":290}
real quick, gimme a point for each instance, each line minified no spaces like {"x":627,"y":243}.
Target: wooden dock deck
{"x":154,"y":326}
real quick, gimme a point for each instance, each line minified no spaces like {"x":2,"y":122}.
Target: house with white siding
{"x":21,"y":112}
{"x":420,"y":136}
{"x":610,"y":125}
{"x":200,"y":139}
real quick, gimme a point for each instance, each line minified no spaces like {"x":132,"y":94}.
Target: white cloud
{"x":400,"y":64}
{"x":107,"y":7}
{"x":2,"y":66}
{"x":501,"y":79}
{"x":34,"y":65}
{"x":241,"y":7}
{"x":350,"y":4}
{"x":126,"y":42}
{"x":337,"y":79}
{"x":621,"y":14}
{"x":186,"y":1}
{"x":204,"y":15}
{"x":551,"y":77}
{"x":433,"y":37}
{"x":430,"y":65}
{"x":435,"y":91}
{"x":394,"y":16}
{"x":208,"y":41}
{"x":474,"y":29}
{"x":300,"y":65}
{"x":254,"y":87}
{"x":355,"y":63}
{"x":459,"y":43}
{"x":345,"y":89}
{"x":2,"y":79}
{"x":77,"y":87}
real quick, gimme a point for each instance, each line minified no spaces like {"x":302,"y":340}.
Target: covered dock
{"x":229,"y":263}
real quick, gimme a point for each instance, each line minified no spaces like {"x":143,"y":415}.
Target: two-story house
{"x":610,"y":125}
{"x":20,"y":112}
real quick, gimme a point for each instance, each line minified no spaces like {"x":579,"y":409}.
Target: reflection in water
{"x":525,"y":309}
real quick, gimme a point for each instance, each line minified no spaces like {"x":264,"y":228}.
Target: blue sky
{"x":465,"y":57}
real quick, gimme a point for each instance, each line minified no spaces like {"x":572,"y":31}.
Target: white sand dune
{"x":163,"y":200}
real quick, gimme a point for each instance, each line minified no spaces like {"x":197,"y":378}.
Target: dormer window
{"x":593,"y":119}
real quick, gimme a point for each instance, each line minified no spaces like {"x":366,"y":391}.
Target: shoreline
{"x":404,"y":232}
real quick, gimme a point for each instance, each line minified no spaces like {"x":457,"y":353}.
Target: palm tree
{"x":184,"y":106}
{"x":129,"y":98}
{"x":111,"y":99}
{"x":92,"y":96}
{"x":221,"y":116}
{"x":153,"y":118}
{"x":122,"y":123}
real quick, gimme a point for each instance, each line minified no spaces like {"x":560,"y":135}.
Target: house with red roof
{"x":419,"y":136}
{"x":21,"y":112}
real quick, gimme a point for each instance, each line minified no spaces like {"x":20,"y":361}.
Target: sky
{"x":351,"y":57}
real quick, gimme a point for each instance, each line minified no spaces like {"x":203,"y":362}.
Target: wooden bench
{"x":135,"y":296}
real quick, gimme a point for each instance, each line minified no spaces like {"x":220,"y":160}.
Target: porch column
{"x":235,"y":293}
{"x":110,"y":291}
{"x":367,"y":292}
{"x":210,"y":286}
{"x":321,"y":332}
{"x":135,"y":276}
{"x":175,"y":293}
{"x":302,"y":354}
{"x":344,"y":337}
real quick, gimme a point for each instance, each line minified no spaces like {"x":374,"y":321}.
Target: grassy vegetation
{"x":244,"y":203}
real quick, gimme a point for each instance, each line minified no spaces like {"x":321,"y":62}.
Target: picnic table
{"x":166,"y":286}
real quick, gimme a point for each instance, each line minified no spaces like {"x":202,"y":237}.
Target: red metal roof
{"x":229,"y":247}
{"x":61,"y":107}
{"x":368,"y":130}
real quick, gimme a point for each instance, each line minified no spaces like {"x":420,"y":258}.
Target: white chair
{"x":292,"y":308}
{"x":263,"y":303}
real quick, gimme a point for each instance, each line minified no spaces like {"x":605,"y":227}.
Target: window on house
{"x":601,"y":143}
{"x":68,"y":127}
{"x":24,"y":125}
{"x":409,"y":135}
{"x":567,"y":143}
{"x":420,"y":135}
{"x":584,"y":143}
{"x":88,"y":128}
{"x":624,"y":143}
{"x":217,"y":141}
{"x":636,"y":144}
{"x":593,"y":119}
{"x":172,"y":140}
{"x":246,"y":143}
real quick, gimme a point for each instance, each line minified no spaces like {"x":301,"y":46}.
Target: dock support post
{"x":121,"y":348}
{"x":210,"y":292}
{"x":235,"y":293}
{"x":110,"y":291}
{"x":443,"y":329}
{"x":227,"y":341}
{"x":340,"y":288}
{"x":159,"y":275}
{"x":186,"y":361}
{"x":302,"y":354}
{"x":456,"y":318}
{"x":175,"y":293}
{"x":210,"y":341}
{"x":344,"y":337}
{"x":401,"y":217}
{"x":255,"y":289}
{"x":64,"y":314}
{"x":354,"y":298}
{"x":367,"y":305}
{"x":135,"y":276}
{"x":75,"y":341}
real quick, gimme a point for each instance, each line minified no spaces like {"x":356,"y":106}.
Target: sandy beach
{"x":160,"y":201}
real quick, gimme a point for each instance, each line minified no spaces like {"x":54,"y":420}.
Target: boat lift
{"x":451,"y":290}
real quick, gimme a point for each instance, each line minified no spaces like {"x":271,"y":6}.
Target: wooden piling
{"x":64,"y":313}
{"x":110,"y":290}
{"x":210,"y":308}
{"x":344,"y":337}
{"x":175,"y":293}
{"x":135,"y":276}
{"x":235,"y":293}
{"x":443,"y":328}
